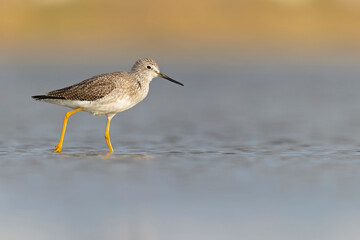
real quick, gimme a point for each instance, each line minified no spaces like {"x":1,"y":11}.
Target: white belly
{"x":100,"y":107}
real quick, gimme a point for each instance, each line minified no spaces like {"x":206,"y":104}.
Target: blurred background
{"x":262,"y":142}
{"x":92,"y":29}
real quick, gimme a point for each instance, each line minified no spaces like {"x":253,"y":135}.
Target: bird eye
{"x":148,"y":67}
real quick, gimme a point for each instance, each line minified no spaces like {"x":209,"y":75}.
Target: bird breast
{"x":119,"y":101}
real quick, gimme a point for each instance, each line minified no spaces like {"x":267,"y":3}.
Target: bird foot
{"x":57,"y":148}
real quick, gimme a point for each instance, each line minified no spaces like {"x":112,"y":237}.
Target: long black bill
{"x":170,"y":79}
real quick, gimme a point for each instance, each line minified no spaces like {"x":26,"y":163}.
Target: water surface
{"x":261,"y":150}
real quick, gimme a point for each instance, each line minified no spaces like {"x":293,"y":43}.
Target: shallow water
{"x":261,"y":150}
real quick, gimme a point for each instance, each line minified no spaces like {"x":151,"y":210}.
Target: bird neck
{"x":141,"y":77}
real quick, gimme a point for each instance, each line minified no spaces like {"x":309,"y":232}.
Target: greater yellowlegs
{"x":106,"y":94}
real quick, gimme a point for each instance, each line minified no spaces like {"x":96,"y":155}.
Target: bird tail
{"x":44,"y":97}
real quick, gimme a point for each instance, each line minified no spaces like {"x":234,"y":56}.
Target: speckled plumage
{"x":106,"y":94}
{"x":90,"y":89}
{"x":109,"y":93}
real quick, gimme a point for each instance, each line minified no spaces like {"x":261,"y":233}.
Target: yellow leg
{"x":67,"y":115}
{"x":107,"y":136}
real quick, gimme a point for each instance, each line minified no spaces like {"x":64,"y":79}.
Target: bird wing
{"x":90,"y":89}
